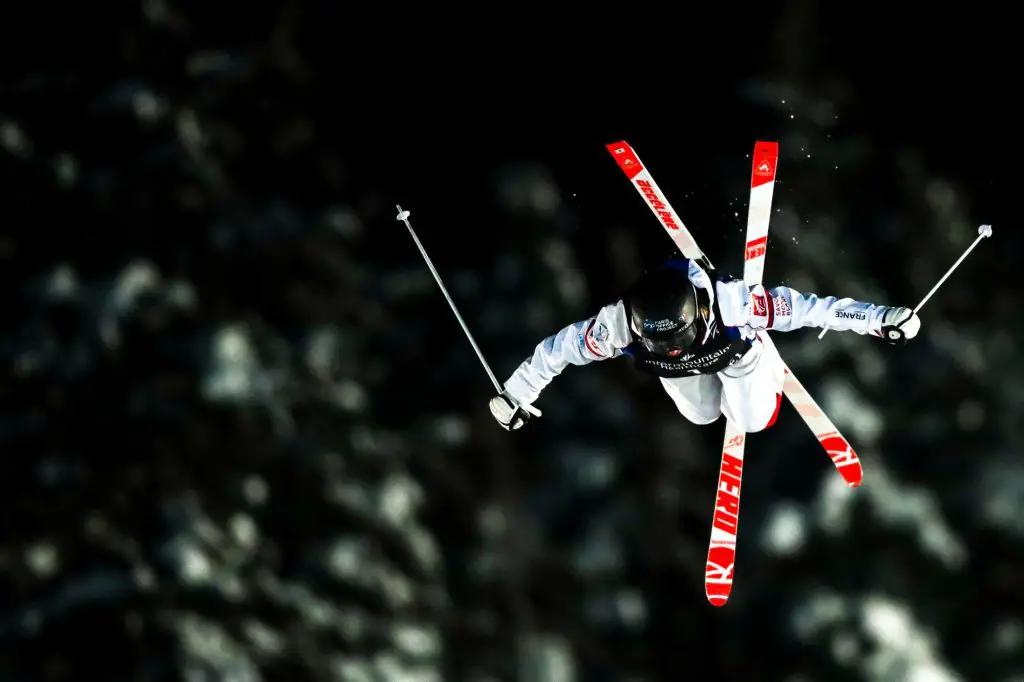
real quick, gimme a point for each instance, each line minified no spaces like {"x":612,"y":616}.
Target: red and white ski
{"x":838,"y":448}
{"x":719,"y":571}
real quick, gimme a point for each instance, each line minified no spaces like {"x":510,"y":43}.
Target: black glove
{"x":509,"y":413}
{"x":899,"y":325}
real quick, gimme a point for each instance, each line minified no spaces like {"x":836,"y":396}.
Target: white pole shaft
{"x":948,"y":273}
{"x":404,"y":217}
{"x":983,"y":231}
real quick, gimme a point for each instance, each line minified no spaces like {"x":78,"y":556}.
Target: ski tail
{"x":719,"y":569}
{"x":838,"y":448}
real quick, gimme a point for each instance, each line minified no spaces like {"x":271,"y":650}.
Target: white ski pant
{"x":749,"y":392}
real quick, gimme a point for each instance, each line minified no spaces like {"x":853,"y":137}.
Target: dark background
{"x":244,"y":438}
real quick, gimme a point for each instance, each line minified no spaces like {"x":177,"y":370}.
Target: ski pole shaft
{"x":983,"y":232}
{"x":404,"y":217}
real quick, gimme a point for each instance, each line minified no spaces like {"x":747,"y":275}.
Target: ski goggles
{"x":675,"y":342}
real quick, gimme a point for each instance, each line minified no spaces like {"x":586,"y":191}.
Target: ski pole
{"x":404,"y":217}
{"x":983,"y":232}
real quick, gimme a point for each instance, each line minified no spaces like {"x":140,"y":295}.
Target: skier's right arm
{"x":596,"y":338}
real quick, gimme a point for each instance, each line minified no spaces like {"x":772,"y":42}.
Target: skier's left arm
{"x":786,"y":309}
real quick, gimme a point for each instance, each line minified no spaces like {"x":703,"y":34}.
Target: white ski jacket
{"x":747,"y":308}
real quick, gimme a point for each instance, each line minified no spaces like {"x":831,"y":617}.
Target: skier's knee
{"x":704,"y":419}
{"x":762,"y":416}
{"x":707,"y":415}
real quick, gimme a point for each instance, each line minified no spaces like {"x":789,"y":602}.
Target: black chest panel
{"x":714,"y":356}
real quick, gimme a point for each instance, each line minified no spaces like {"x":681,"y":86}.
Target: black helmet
{"x":666,"y":311}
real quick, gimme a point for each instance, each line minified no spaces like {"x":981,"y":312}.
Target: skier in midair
{"x":697,"y":332}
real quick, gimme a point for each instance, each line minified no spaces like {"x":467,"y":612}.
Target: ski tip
{"x":620,"y":148}
{"x":626,"y":158}
{"x":717,"y":599}
{"x":718,"y":573}
{"x":766,"y":159}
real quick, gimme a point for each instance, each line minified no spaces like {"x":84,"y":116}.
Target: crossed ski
{"x":719,"y":571}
